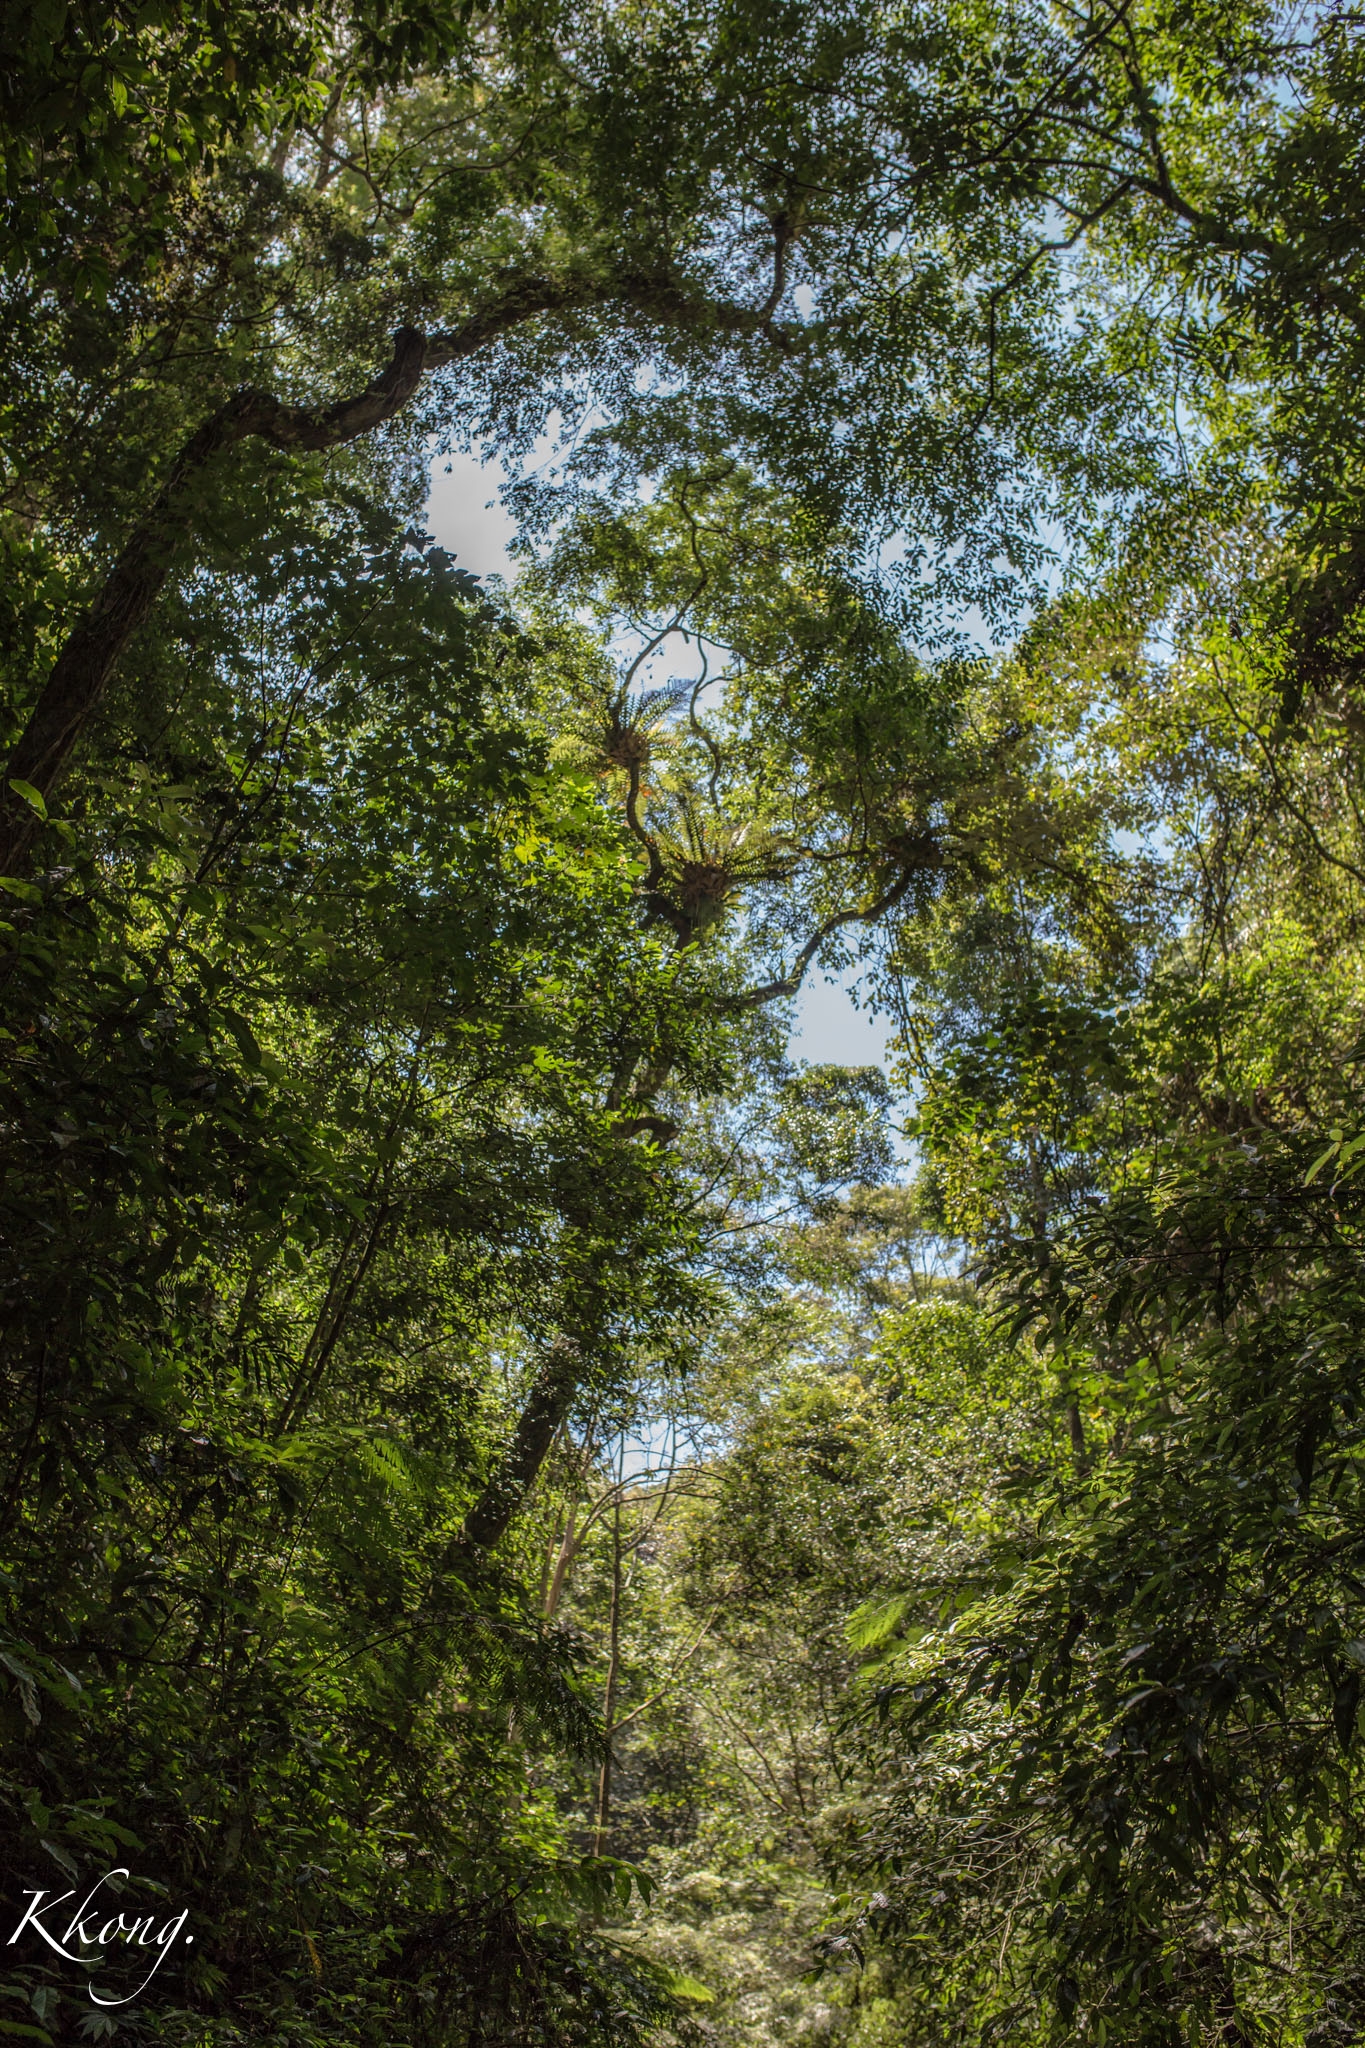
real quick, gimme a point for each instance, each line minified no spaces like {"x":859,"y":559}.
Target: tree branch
{"x":789,"y":984}
{"x":82,"y":672}
{"x":674,"y":1674}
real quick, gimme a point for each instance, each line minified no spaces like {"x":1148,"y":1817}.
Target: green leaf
{"x":32,"y":797}
{"x":687,"y":1988}
{"x":871,"y":1624}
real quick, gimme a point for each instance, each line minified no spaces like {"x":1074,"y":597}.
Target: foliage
{"x":933,"y":434}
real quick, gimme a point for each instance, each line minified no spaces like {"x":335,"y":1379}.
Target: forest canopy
{"x":529,"y":1513}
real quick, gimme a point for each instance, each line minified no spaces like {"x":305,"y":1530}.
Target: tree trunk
{"x":516,"y":1471}
{"x":613,"y":1667}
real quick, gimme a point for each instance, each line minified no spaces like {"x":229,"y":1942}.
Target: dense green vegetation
{"x":519,"y":1508}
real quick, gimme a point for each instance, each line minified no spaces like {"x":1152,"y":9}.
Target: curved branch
{"x":80,"y":676}
{"x":789,"y":984}
{"x":81,"y":672}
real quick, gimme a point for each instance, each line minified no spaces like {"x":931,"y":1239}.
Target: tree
{"x":391,"y":975}
{"x":1130,"y":1766}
